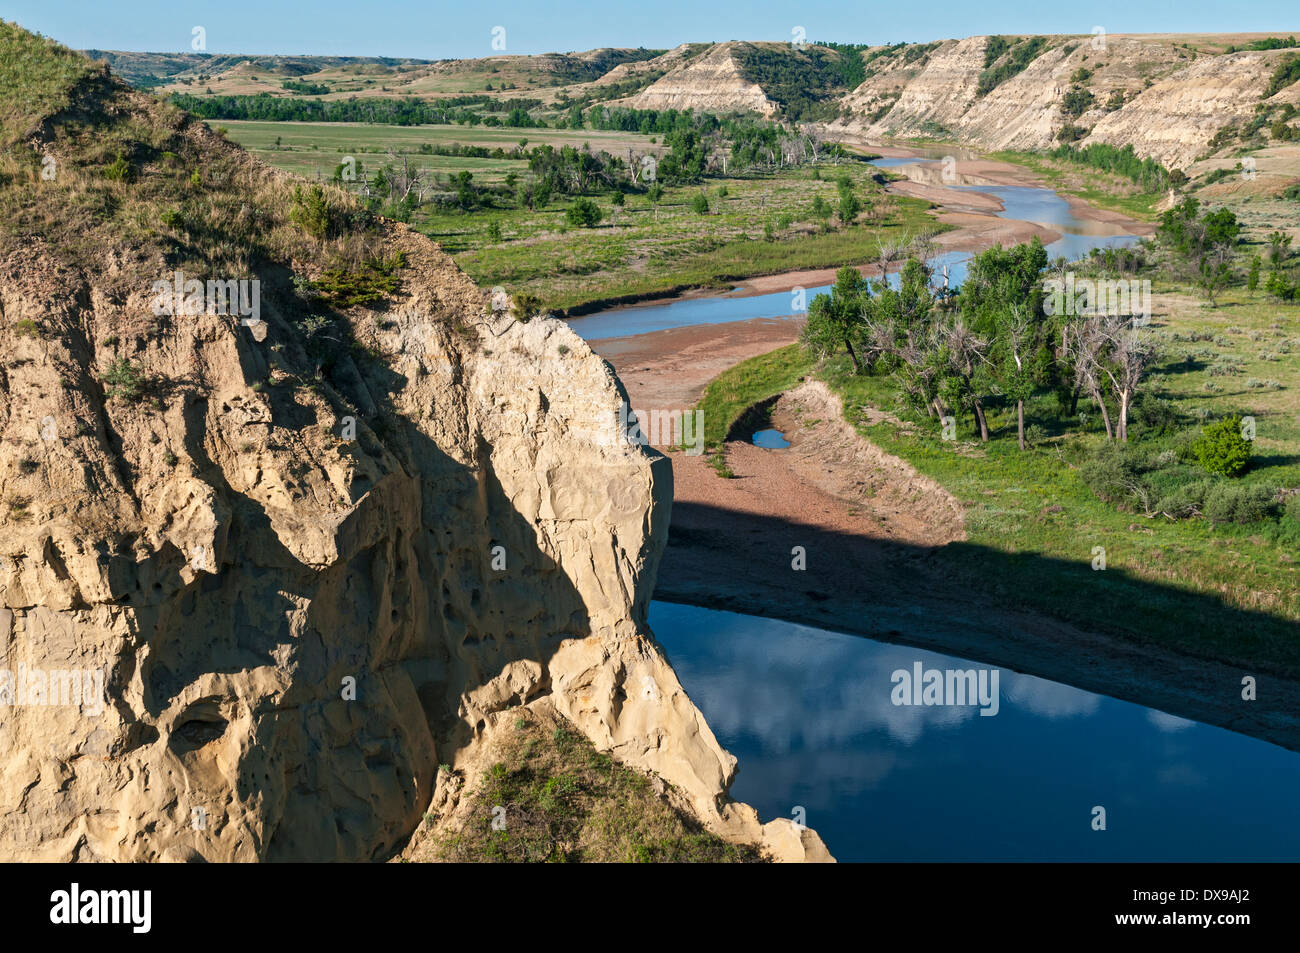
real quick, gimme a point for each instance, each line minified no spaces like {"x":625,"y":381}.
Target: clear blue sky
{"x":434,"y":30}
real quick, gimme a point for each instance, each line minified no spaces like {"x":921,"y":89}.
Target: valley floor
{"x":872,"y":531}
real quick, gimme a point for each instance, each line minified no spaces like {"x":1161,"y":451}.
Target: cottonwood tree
{"x":965,"y":361}
{"x":1083,"y":347}
{"x":837,"y":320}
{"x":1015,"y":364}
{"x":1129,"y":355}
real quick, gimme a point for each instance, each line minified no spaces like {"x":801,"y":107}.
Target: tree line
{"x":991,"y":341}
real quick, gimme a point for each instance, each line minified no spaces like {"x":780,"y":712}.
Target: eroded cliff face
{"x":295,"y":563}
{"x":711,"y":82}
{"x":1164,"y":101}
{"x":296,"y":627}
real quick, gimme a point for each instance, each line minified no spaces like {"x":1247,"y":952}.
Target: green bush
{"x":1239,"y":503}
{"x":1221,"y":448}
{"x":584,"y":213}
{"x":311,"y":211}
{"x":1113,"y":473}
{"x":119,"y":170}
{"x":700,"y":204}
{"x":1187,"y":500}
{"x":125,"y":380}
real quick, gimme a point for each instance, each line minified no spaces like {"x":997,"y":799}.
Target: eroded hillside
{"x":300,"y":551}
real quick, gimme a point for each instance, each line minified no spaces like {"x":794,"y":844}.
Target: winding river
{"x":813,"y":716}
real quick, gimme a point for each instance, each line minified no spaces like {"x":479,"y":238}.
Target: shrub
{"x":1221,"y":448}
{"x":172,"y":218}
{"x":525,"y":306}
{"x":700,"y":204}
{"x":125,"y":380}
{"x":1239,"y":503}
{"x":1153,"y":415}
{"x":311,"y":211}
{"x":375,"y":280}
{"x":119,"y":170}
{"x":1114,"y":474}
{"x":584,"y":213}
{"x":1187,"y":500}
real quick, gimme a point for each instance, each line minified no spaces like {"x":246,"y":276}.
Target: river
{"x":810,"y":717}
{"x":810,"y":714}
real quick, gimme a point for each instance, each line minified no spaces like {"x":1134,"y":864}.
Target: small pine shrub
{"x":1221,"y":449}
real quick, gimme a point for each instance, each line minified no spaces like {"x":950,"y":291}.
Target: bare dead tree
{"x":1082,"y":349}
{"x":401,"y":183}
{"x":889,"y":252}
{"x":1131,"y":353}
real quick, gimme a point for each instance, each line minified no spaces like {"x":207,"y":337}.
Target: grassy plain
{"x":639,"y":249}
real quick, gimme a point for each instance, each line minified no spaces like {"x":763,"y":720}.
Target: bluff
{"x":311,"y":547}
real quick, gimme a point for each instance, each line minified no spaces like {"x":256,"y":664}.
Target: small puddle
{"x":770,"y":440}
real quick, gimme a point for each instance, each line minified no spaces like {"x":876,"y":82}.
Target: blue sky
{"x":434,"y":30}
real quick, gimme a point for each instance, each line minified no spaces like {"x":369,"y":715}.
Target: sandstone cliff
{"x":1164,"y":101}
{"x":712,"y":82}
{"x":312,"y":555}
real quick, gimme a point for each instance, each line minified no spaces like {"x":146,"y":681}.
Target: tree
{"x":1130,"y":354}
{"x":1278,"y":244}
{"x":1214,"y":273}
{"x":850,"y":206}
{"x":583,"y":213}
{"x":655,"y":194}
{"x":965,"y":360}
{"x":837,"y":320}
{"x":1083,"y":347}
{"x":1014,"y":359}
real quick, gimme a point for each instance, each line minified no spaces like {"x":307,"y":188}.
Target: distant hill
{"x":1173,"y":98}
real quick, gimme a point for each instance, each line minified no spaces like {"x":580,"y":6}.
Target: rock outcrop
{"x":1165,"y":101}
{"x":711,"y":82}
{"x":295,"y":562}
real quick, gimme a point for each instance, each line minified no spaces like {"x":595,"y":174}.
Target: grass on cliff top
{"x":565,"y":802}
{"x":1226,"y":591}
{"x":121,"y":174}
{"x":36,"y":78}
